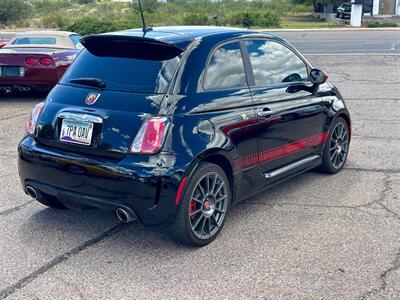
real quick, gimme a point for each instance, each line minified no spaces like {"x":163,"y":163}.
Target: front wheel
{"x":203,"y":206}
{"x":336,"y":147}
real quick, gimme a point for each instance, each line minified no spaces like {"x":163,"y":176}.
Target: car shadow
{"x":16,"y":96}
{"x":71,"y":228}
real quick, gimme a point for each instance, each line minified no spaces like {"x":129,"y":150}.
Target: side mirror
{"x":318,"y":77}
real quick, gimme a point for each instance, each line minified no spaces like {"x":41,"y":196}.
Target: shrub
{"x":243,"y":19}
{"x":268,"y":19}
{"x":376,"y":24}
{"x":247,"y":19}
{"x":195,"y":19}
{"x":13,"y":11}
{"x":54,"y":21}
{"x":47,"y":7}
{"x":86,"y":26}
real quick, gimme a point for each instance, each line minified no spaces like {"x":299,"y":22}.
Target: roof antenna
{"x":144,"y":29}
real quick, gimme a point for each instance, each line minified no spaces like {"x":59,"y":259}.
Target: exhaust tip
{"x":31,"y":191}
{"x":124,"y":215}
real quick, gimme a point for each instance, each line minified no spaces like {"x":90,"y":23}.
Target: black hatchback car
{"x":343,"y":11}
{"x":177,"y":125}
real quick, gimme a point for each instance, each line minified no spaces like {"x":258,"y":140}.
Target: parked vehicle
{"x":343,"y":11}
{"x":37,"y":60}
{"x":178,"y":125}
{"x":3,"y":42}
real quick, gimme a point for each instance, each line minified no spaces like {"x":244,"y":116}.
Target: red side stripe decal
{"x":275,"y":153}
{"x":180,"y":190}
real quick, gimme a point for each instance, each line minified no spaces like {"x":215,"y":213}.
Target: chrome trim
{"x":290,"y":167}
{"x":80,"y":117}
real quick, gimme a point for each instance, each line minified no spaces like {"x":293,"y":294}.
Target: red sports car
{"x":3,"y":42}
{"x":37,"y":60}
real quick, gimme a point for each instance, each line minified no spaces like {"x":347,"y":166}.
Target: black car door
{"x":225,"y":100}
{"x":290,"y":117}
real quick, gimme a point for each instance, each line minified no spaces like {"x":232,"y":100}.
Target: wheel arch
{"x":220,"y":158}
{"x":346,"y":117}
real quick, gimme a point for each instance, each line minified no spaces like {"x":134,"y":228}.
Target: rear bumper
{"x":83,"y":182}
{"x":42,"y":79}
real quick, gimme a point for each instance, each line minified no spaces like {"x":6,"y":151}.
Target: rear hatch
{"x":104,"y":97}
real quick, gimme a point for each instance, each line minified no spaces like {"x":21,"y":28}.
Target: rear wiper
{"x":95,"y":82}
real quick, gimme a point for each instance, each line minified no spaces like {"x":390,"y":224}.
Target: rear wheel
{"x":336,"y":148}
{"x":203,"y":207}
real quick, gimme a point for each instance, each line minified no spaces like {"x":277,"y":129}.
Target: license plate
{"x":76,"y":132}
{"x":12,"y":72}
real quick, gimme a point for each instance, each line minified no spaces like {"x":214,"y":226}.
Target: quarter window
{"x":76,"y":40}
{"x":225,"y":69}
{"x":273,"y":63}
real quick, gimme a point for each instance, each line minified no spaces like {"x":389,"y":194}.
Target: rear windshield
{"x":124,"y":74}
{"x":34,"y":41}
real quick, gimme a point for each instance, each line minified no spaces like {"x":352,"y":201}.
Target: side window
{"x":273,"y":63}
{"x":225,"y":69}
{"x":76,"y":40}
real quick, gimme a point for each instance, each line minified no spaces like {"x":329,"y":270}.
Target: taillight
{"x":30,"y":61}
{"x":46,"y":61}
{"x":151,"y":136}
{"x":31,"y":123}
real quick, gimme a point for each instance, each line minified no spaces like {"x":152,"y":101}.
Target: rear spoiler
{"x":126,"y":46}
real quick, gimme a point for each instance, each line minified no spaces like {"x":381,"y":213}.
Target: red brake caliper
{"x":192,"y":208}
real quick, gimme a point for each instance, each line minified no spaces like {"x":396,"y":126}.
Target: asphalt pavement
{"x":344,"y":42}
{"x":314,"y":237}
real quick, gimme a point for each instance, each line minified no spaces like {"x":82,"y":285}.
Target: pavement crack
{"x":372,"y":99}
{"x":13,"y":116}
{"x":389,"y":139}
{"x":383,"y":277}
{"x":15,"y":209}
{"x":378,"y":202}
{"x":386,"y":189}
{"x":59,"y":259}
{"x":377,"y":170}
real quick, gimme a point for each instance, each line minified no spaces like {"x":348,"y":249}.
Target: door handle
{"x":264,"y":113}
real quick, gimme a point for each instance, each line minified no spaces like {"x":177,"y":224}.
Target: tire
{"x":337,"y":16}
{"x":50,"y":201}
{"x":202,"y":209}
{"x":336,"y":147}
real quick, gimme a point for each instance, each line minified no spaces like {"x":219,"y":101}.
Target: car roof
{"x":44,"y":33}
{"x":62,"y":39}
{"x":181,"y":34}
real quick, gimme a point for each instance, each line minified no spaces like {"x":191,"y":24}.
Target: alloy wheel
{"x":208,"y":205}
{"x":339,"y":145}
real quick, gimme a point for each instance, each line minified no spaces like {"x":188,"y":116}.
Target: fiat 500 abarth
{"x":176,"y":125}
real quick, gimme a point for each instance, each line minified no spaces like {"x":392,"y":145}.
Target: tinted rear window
{"x":34,"y":40}
{"x":124,"y":74}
